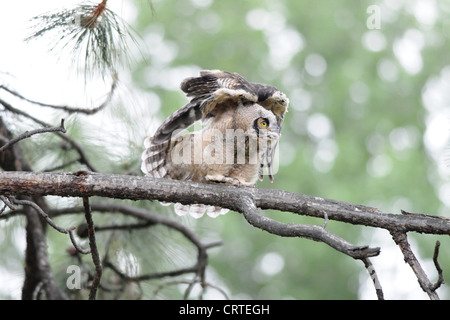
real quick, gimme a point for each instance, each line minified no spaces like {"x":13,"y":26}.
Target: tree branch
{"x":313,"y":232}
{"x":69,"y":109}
{"x":28,"y":134}
{"x":82,"y":183}
{"x":94,"y":250}
{"x":426,"y":285}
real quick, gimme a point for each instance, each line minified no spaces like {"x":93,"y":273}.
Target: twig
{"x":77,"y":247}
{"x":49,"y":221}
{"x":83,"y":158}
{"x":374,"y":277}
{"x":83,"y":231}
{"x":189,"y":282}
{"x":43,"y":215}
{"x":325,"y":222}
{"x":316,"y":233}
{"x":401,"y":240}
{"x":440,"y":280}
{"x":94,"y":250}
{"x":7,"y":203}
{"x":67,"y":108}
{"x":62,"y":166}
{"x":28,"y":134}
{"x":150,"y":276}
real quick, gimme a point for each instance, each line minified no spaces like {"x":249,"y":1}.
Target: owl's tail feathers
{"x":198,"y":210}
{"x":154,"y":158}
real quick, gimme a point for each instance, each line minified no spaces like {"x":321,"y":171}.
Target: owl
{"x":237,"y":128}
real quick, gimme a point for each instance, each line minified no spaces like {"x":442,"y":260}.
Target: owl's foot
{"x":227,"y":180}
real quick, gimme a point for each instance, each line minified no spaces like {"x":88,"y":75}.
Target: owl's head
{"x":258,"y":122}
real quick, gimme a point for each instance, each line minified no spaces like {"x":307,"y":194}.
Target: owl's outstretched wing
{"x":210,"y":89}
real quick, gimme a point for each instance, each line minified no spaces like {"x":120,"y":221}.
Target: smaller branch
{"x":67,"y":108}
{"x":325,"y":222}
{"x":43,"y":215}
{"x":150,"y":276}
{"x":438,"y":267}
{"x":77,"y":247}
{"x":213,"y":244}
{"x":313,"y":232}
{"x":401,"y":240}
{"x":47,"y":219}
{"x":74,"y":144}
{"x":7,"y":203}
{"x":189,"y":282}
{"x":82,"y":230}
{"x":62,"y":166}
{"x":28,"y":134}
{"x":374,"y":277}
{"x":94,"y":250}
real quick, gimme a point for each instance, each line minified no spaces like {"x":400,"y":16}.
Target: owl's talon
{"x":222,"y":179}
{"x":228,"y":180}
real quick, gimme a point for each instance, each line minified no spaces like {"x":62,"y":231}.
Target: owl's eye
{"x":263,"y":123}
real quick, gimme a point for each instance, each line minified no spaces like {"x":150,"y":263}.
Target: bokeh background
{"x":368,"y":123}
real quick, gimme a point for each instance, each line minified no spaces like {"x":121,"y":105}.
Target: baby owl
{"x":240,"y":124}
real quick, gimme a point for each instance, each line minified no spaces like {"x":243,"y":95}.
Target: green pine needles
{"x":91,"y":33}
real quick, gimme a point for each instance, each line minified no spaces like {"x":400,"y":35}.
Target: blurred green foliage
{"x":354,"y":130}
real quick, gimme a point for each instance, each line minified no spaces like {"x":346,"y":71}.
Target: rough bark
{"x":87,"y":184}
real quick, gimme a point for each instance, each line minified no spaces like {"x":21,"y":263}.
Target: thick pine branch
{"x":87,"y":184}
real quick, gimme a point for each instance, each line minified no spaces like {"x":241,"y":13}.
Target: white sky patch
{"x":374,"y":40}
{"x":437,"y":134}
{"x":271,"y":263}
{"x":436,"y":100}
{"x":425,"y":12}
{"x":327,"y":150}
{"x":300,"y":99}
{"x":403,"y":138}
{"x":319,"y":126}
{"x":284,"y":41}
{"x":260,"y":19}
{"x":408,"y":48}
{"x":387,"y":70}
{"x":359,"y":92}
{"x":379,"y":166}
{"x":315,"y":65}
{"x":283,"y":46}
